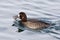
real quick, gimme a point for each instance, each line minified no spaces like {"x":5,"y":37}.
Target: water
{"x":48,"y":10}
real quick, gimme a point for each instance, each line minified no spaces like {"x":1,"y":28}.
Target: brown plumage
{"x":32,"y":23}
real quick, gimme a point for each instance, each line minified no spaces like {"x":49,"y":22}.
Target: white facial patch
{"x":18,"y":16}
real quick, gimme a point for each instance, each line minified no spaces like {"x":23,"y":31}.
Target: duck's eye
{"x":20,"y":17}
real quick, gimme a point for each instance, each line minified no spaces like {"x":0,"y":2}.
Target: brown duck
{"x":31,"y":23}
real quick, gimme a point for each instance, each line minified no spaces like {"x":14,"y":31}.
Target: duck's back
{"x":35,"y":24}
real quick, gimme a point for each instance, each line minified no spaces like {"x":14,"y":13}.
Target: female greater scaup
{"x":31,"y":23}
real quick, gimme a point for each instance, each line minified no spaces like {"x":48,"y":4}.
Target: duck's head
{"x":22,"y":16}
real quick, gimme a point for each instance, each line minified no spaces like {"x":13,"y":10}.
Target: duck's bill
{"x":16,"y":17}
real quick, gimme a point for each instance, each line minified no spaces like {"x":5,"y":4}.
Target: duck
{"x":31,"y":23}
